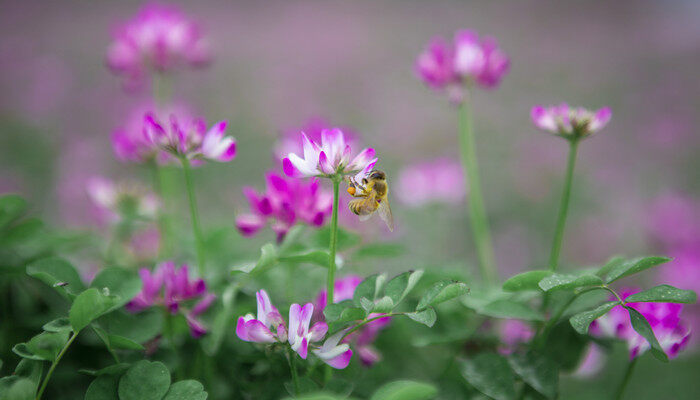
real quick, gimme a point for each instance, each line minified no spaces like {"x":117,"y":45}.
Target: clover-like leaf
{"x":119,"y":282}
{"x":426,"y":317}
{"x":399,"y":287}
{"x":316,"y":257}
{"x":186,"y":390}
{"x":87,"y":307}
{"x":641,"y":325}
{"x":405,"y":390}
{"x":442,"y":292}
{"x":104,"y":387}
{"x":581,"y":321}
{"x":368,"y":289}
{"x":664,"y":294}
{"x":145,"y":380}
{"x":58,"y":273}
{"x":562,"y":281}
{"x":537,"y":371}
{"x":58,"y":325}
{"x":12,"y":206}
{"x":630,"y":267}
{"x":525,"y":281}
{"x":490,"y":374}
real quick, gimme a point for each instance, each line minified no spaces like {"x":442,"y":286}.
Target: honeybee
{"x":372,"y":197}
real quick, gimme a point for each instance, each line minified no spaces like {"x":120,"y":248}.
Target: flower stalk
{"x":564,"y":205}
{"x":194,"y":214}
{"x":54,"y":364}
{"x":626,"y":378}
{"x":333,"y":239}
{"x":477,"y":212}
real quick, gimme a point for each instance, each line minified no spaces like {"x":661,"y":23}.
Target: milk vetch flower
{"x":569,"y":122}
{"x":123,"y":200}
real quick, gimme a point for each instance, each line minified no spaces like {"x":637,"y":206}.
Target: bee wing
{"x":385,"y":214}
{"x":365,"y":217}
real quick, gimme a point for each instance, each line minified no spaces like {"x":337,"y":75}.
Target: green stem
{"x":159,"y":189}
{"x":54,"y":364}
{"x":563,"y":206}
{"x":477,"y":211}
{"x":194,"y":215}
{"x":161,"y":89}
{"x":293,"y":368}
{"x":334,"y":240}
{"x":626,"y":378}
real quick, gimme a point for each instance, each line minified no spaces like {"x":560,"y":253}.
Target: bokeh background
{"x":278,"y":63}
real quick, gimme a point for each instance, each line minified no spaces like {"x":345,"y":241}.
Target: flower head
{"x":158,"y":38}
{"x":289,"y":141}
{"x":569,"y":122}
{"x":270,"y":327}
{"x":189,"y":138}
{"x":439,"y":181}
{"x":468,"y":59}
{"x":285,"y":202}
{"x":124,"y":200}
{"x":514,"y":333}
{"x":331,"y":157}
{"x":171,"y":287}
{"x":363,"y":339}
{"x":664,"y":319}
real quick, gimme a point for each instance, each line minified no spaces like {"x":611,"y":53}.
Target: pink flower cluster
{"x":158,"y":38}
{"x":664,"y":319}
{"x":344,"y":290}
{"x":189,"y":138}
{"x":285,"y":202}
{"x":289,"y":141}
{"x":514,"y":333}
{"x":332,"y":156}
{"x":270,"y":327}
{"x":115,"y":201}
{"x":570,"y":122}
{"x":171,"y":287}
{"x":435,"y":181}
{"x":468,"y":59}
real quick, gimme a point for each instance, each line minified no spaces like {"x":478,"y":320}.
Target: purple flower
{"x":189,"y":137}
{"x":171,"y":287}
{"x":664,"y":319}
{"x":569,"y":122}
{"x":468,"y":59}
{"x":439,"y":181}
{"x":285,"y":202}
{"x":364,"y":338}
{"x":514,"y":333}
{"x":674,"y":220}
{"x":116,"y":201}
{"x":331,"y":157}
{"x":290,"y":143}
{"x":269,"y":327}
{"x":158,"y":38}
{"x":128,"y":140}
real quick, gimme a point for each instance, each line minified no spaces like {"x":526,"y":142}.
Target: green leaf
{"x":368,"y":289}
{"x":490,"y":374}
{"x":525,"y":281}
{"x":537,"y":371}
{"x":306,"y":386}
{"x":140,"y":327}
{"x":332,"y":311}
{"x":565,"y":346}
{"x":212,"y":342}
{"x":30,"y":369}
{"x":116,"y":342}
{"x":12,"y":206}
{"x":58,"y":325}
{"x":44,"y":346}
{"x":379,"y":250}
{"x":367,"y":305}
{"x":510,"y":309}
{"x":633,"y":266}
{"x":22,"y":350}
{"x":186,"y":390}
{"x":641,"y":325}
{"x":145,"y":380}
{"x":351,"y":314}
{"x":426,"y":317}
{"x":581,"y":321}
{"x":16,"y":388}
{"x":22,"y":232}
{"x":119,"y":282}
{"x":340,"y":387}
{"x":399,"y":287}
{"x":442,"y":292}
{"x":103,"y":388}
{"x":405,"y":390}
{"x":313,"y":396}
{"x":664,"y":294}
{"x":561,"y":281}
{"x":383,"y":305}
{"x":612,"y":263}
{"x":58,"y":273}
{"x":316,"y":257}
{"x":87,"y":307}
{"x":114,"y":369}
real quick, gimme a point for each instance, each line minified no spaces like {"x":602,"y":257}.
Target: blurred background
{"x":276,"y":64}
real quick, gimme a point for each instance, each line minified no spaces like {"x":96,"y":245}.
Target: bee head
{"x":376,"y":174}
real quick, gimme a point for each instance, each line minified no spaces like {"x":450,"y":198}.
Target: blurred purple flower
{"x":300,"y":335}
{"x":439,"y":181}
{"x":513,"y":333}
{"x":592,"y":362}
{"x":118,"y":201}
{"x":664,"y":319}
{"x":289,"y":142}
{"x":568,"y":122}
{"x":189,"y":137}
{"x":344,"y":290}
{"x":128,"y":140}
{"x":285,"y":202}
{"x":159,"y":38}
{"x":170,"y":287}
{"x":674,"y":220}
{"x":331,"y":157}
{"x":468,"y":59}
